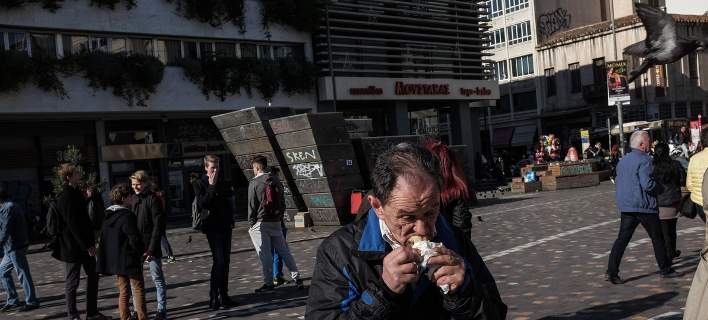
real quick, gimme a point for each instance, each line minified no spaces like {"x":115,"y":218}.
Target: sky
{"x":687,"y":6}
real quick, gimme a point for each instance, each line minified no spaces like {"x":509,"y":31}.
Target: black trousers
{"x":668,"y":230}
{"x":628,"y":223}
{"x":71,"y":284}
{"x":220,"y":246}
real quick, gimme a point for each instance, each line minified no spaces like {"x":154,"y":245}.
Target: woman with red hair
{"x":455,"y":194}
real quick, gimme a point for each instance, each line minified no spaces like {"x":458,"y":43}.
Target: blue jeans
{"x":277,"y":261}
{"x":17,"y":260}
{"x":158,"y":277}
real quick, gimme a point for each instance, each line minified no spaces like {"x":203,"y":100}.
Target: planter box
{"x":552,"y":183}
{"x":569,"y":169}
{"x":526,"y":187}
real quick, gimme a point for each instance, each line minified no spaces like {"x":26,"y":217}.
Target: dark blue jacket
{"x":636,"y":189}
{"x":13,"y":228}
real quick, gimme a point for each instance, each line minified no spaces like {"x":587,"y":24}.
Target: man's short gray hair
{"x":637,"y":138}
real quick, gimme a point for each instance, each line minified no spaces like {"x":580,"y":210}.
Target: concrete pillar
{"x":461,"y":129}
{"x":103,"y":171}
{"x":476,"y":146}
{"x":400,"y":123}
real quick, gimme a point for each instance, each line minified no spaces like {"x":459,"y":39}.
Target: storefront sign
{"x":617,"y":85}
{"x":364,"y":88}
{"x":660,"y":76}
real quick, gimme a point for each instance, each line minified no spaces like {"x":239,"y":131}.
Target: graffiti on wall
{"x":554,"y":21}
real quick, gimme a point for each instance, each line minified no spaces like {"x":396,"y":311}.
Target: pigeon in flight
{"x":663,"y":45}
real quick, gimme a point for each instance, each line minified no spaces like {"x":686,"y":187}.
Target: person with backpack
{"x":151,"y":224}
{"x":75,"y":243}
{"x":266,"y":206}
{"x":14,"y":240}
{"x":164,"y":242}
{"x":213,"y":216}
{"x":278,"y":279}
{"x":121,"y":252}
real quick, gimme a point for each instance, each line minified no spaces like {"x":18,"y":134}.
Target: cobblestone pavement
{"x":548,"y":252}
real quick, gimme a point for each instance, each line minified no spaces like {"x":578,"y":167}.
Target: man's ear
{"x":376,"y":205}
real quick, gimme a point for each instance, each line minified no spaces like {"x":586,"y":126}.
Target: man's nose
{"x":423,"y":228}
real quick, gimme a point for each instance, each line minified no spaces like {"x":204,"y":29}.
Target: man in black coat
{"x":151,"y":225}
{"x":76,"y":244}
{"x":212,"y":193}
{"x":367,"y":270}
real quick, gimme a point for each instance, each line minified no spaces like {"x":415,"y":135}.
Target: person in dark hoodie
{"x":212,"y":193}
{"x":120,"y":253}
{"x":672,"y":177}
{"x":151,"y":224}
{"x":76,"y":245}
{"x":266,"y":217}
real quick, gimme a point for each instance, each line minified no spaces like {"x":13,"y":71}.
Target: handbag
{"x":687,"y":208}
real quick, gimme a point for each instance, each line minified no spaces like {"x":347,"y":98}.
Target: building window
{"x":282,"y":52}
{"x":73,"y":44}
{"x":169,"y":51}
{"x":44,"y":45}
{"x":264,"y":52}
{"x":665,"y":111}
{"x":17,"y":41}
{"x":693,"y":68}
{"x":225,"y":49}
{"x":598,"y":71}
{"x":497,"y":37}
{"x":119,"y":45}
{"x":550,"y":75}
{"x":2,"y":41}
{"x":516,"y":5}
{"x":696,"y":109}
{"x":520,"y":32}
{"x":680,"y":110}
{"x":525,"y":101}
{"x":99,"y":44}
{"x":574,"y":77}
{"x":190,"y":49}
{"x":140,"y":46}
{"x":495,"y":8}
{"x":504,"y":105}
{"x":522,"y":66}
{"x":500,"y":71}
{"x":206,"y":49}
{"x":249,"y":50}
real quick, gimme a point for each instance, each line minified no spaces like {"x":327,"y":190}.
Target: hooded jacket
{"x":214,"y":198}
{"x":121,"y":248}
{"x":256,"y":192}
{"x":78,"y":235}
{"x":347,"y":283}
{"x":150,"y":219}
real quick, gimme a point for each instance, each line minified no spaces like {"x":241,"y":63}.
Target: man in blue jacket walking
{"x":636,"y":200}
{"x":13,"y":243}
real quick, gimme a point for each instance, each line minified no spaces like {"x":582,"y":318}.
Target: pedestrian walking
{"x":455,"y":194}
{"x":266,"y":206}
{"x":120,"y":253}
{"x":697,"y":166}
{"x":697,"y":300}
{"x":635,"y":194}
{"x":670,"y":174}
{"x":367,"y":270}
{"x":75,"y":244}
{"x":151,"y":225}
{"x":14,"y":241}
{"x":212,"y":194}
{"x":164,"y":242}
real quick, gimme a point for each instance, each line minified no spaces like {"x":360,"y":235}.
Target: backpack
{"x":198,"y":216}
{"x":55,"y":223}
{"x":271,"y":196}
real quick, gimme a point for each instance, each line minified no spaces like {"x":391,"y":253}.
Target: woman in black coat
{"x":672,"y":177}
{"x":120,"y":253}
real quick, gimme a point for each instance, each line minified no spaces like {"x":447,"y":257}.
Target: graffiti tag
{"x":308,"y":170}
{"x":553,"y":22}
{"x":301,"y":155}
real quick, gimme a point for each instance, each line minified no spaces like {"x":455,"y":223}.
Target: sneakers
{"x":9,"y":307}
{"x":677,"y":254}
{"x":161,"y":315}
{"x":97,"y":316}
{"x":279,"y":281}
{"x":614,"y":279}
{"x":299,"y":285}
{"x":133,"y":315}
{"x":227,"y":303}
{"x":265,"y":288}
{"x":671,"y":273}
{"x":171,"y":259}
{"x":29,"y":307}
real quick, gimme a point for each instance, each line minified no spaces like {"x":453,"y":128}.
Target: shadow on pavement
{"x":620,"y":310}
{"x":485,"y":202}
{"x":683,"y":265}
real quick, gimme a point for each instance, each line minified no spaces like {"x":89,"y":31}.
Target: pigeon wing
{"x":660,"y":27}
{"x":638,"y":49}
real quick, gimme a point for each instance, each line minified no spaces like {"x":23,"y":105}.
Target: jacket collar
{"x":372,"y":243}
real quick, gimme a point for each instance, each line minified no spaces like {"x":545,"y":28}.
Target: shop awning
{"x":502,"y":136}
{"x":523,"y":136}
{"x":127,"y":152}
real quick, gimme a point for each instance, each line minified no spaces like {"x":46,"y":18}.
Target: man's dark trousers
{"x":628,"y":223}
{"x":220,"y":246}
{"x":72,"y":275}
